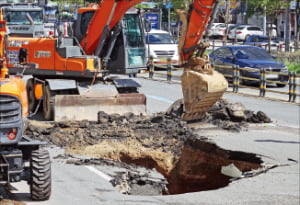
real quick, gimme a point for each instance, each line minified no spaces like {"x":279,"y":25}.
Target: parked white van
{"x":161,"y":45}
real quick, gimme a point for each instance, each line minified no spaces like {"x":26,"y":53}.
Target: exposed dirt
{"x":162,"y":141}
{"x":10,"y":202}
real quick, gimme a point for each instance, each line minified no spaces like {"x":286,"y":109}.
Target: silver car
{"x":243,"y":31}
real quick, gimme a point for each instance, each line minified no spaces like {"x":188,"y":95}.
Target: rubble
{"x":163,"y":142}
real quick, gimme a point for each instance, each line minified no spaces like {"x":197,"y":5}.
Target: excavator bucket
{"x":99,"y":97}
{"x":201,"y":85}
{"x":200,"y":91}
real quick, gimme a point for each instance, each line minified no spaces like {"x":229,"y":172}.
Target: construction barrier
{"x":169,"y":70}
{"x":151,"y":67}
{"x":280,"y":47}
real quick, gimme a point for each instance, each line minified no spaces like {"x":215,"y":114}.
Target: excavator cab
{"x":124,"y":52}
{"x":129,"y":46}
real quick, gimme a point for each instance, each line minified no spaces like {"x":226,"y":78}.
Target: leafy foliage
{"x":293,"y":67}
{"x":270,"y":6}
{"x":178,"y":4}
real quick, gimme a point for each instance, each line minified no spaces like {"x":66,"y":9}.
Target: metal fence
{"x":236,"y":80}
{"x":280,"y":47}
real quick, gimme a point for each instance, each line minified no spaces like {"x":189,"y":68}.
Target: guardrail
{"x":278,"y":47}
{"x":236,"y":80}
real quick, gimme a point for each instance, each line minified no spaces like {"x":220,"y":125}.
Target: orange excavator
{"x":71,"y":72}
{"x":21,"y":158}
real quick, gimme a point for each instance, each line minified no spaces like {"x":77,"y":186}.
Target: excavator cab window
{"x":134,"y":39}
{"x":133,"y":30}
{"x":19,"y":17}
{"x":85,"y":20}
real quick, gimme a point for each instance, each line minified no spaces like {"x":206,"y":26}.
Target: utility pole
{"x":287,"y":36}
{"x":169,"y":19}
{"x":265,"y":21}
{"x":297,"y":24}
{"x":227,"y":21}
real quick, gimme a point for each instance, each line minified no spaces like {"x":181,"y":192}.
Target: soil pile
{"x":162,"y":141}
{"x":224,"y":114}
{"x":10,"y":202}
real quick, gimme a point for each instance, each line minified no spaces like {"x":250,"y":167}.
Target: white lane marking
{"x":159,"y":98}
{"x":99,"y":173}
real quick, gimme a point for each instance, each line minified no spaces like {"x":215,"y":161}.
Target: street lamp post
{"x":287,"y":32}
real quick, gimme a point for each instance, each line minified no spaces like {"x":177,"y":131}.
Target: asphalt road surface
{"x":277,"y":143}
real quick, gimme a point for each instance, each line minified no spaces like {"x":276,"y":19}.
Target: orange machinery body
{"x":44,"y":60}
{"x":43,"y":56}
{"x":15,"y":87}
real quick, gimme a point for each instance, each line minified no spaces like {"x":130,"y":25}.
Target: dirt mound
{"x":162,"y":141}
{"x":224,"y":114}
{"x":10,"y":202}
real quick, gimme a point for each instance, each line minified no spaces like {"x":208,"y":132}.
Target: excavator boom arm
{"x":196,"y":24}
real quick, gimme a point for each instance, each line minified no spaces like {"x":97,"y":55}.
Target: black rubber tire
{"x":40,"y":175}
{"x":32,"y":102}
{"x":48,"y":103}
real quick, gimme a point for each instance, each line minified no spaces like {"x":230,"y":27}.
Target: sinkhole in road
{"x":198,"y":166}
{"x":188,"y":161}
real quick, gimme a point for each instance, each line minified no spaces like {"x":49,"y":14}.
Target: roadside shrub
{"x":293,"y":67}
{"x":291,"y":60}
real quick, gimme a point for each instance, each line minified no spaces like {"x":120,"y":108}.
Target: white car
{"x":220,"y":30}
{"x":243,"y":31}
{"x":211,"y":31}
{"x":161,"y":46}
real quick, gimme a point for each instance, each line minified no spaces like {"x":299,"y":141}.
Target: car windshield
{"x":221,"y":26}
{"x":230,"y":27}
{"x":251,"y":53}
{"x":240,"y":27}
{"x":159,"y":38}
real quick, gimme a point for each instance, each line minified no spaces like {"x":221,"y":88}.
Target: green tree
{"x":267,"y":6}
{"x":178,"y":4}
{"x":270,"y":9}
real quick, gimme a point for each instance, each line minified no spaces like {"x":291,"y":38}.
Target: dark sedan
{"x":262,"y":41}
{"x":251,"y":57}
